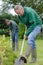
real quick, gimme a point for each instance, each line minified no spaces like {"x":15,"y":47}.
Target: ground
{"x":9,"y":57}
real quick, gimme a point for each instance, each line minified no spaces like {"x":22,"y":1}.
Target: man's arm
{"x":32,"y":21}
{"x":25,"y":32}
{"x":25,"y":28}
{"x":10,"y":32}
{"x":30,"y":29}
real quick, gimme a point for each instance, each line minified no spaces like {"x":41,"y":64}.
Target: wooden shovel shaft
{"x":22,"y":47}
{"x":10,"y":41}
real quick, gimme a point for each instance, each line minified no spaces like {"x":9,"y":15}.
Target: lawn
{"x":8,"y":57}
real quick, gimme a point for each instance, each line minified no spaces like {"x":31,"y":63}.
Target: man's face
{"x":8,"y":23}
{"x":20,"y":12}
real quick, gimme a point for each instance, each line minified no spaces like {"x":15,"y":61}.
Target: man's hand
{"x":25,"y":36}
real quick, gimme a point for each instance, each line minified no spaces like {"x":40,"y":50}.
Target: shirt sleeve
{"x":33,"y":24}
{"x":30,"y":29}
{"x":31,"y":16}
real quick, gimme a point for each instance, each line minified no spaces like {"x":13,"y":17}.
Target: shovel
{"x":22,"y":59}
{"x":10,"y":41}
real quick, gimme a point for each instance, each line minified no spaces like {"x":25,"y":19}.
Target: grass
{"x":9,"y":56}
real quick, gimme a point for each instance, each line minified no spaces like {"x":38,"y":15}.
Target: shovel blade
{"x":19,"y":62}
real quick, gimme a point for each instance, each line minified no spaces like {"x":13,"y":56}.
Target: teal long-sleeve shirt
{"x":13,"y":26}
{"x":31,"y":19}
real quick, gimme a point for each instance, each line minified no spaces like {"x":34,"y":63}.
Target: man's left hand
{"x":25,"y":36}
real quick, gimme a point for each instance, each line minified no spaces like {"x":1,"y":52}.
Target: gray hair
{"x":17,"y":7}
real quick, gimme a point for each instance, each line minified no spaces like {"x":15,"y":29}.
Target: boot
{"x":28,"y":51}
{"x":34,"y":56}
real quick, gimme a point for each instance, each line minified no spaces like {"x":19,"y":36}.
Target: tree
{"x":36,"y":4}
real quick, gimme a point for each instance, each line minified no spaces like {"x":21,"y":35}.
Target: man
{"x":31,"y":19}
{"x":13,"y":32}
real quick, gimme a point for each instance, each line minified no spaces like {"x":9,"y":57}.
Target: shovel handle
{"x":10,"y":41}
{"x":22,"y":47}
